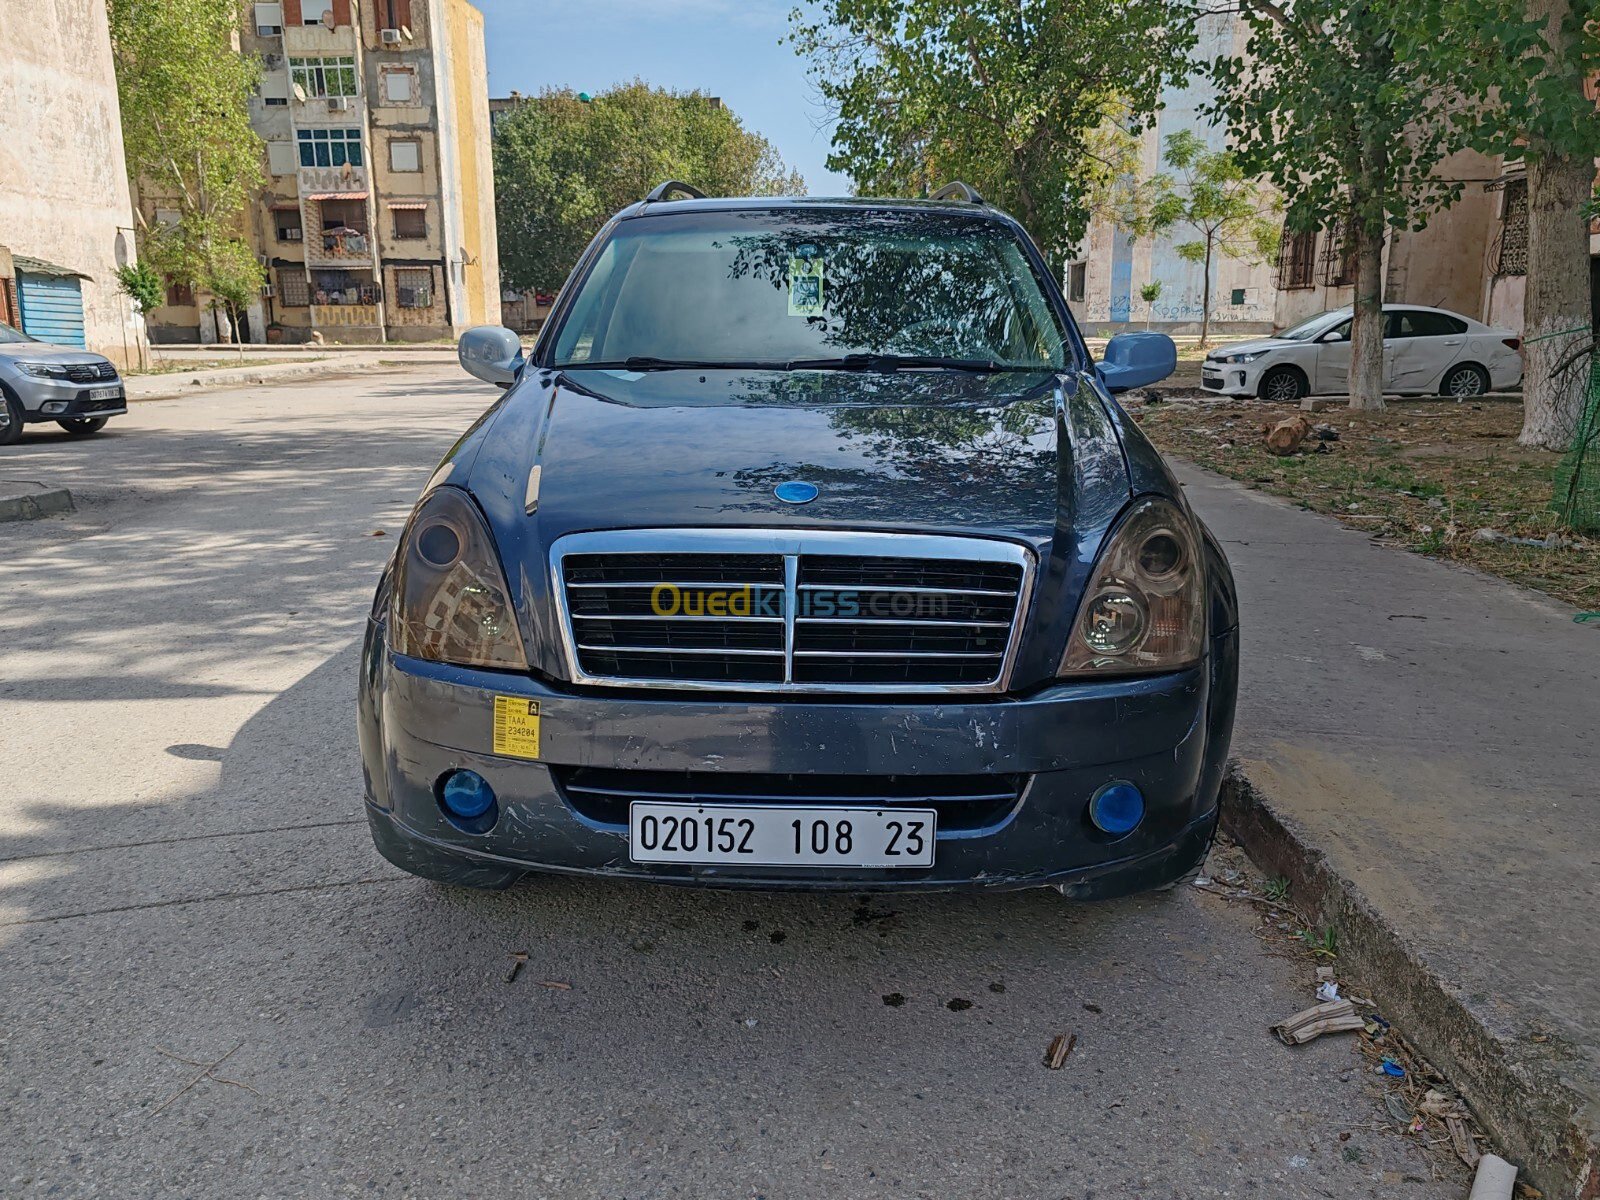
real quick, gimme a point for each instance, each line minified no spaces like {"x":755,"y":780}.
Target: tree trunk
{"x":1366,"y":330}
{"x":1205,"y":296}
{"x":1557,"y":299}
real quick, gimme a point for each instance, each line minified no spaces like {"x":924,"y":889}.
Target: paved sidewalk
{"x":171,"y":384}
{"x":1418,"y":753}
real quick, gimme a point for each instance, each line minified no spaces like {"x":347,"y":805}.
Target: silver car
{"x":76,"y":389}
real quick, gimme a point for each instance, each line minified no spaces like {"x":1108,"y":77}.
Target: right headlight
{"x":1144,"y":609}
{"x":450,"y":602}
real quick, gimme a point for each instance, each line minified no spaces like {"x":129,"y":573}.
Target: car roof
{"x":842,"y":203}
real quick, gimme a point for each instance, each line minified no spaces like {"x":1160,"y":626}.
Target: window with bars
{"x":292,"y":289}
{"x":1513,"y":256}
{"x":1339,"y":255}
{"x":1297,"y":260}
{"x":329,"y":147}
{"x":413,"y":287}
{"x":328,"y":75}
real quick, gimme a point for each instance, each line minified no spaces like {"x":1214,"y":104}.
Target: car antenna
{"x":958,"y":191}
{"x":663,"y":191}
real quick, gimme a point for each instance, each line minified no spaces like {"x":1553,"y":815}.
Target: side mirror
{"x":1137,"y":359}
{"x":491,"y":353}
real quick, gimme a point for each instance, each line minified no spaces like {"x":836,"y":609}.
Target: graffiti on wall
{"x":1119,"y":306}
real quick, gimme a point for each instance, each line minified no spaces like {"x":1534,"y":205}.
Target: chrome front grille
{"x":812,"y":611}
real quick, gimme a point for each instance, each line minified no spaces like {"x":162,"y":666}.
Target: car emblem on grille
{"x":795,"y":492}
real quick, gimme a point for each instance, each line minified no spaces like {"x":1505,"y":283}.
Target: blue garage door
{"x":52,"y":308}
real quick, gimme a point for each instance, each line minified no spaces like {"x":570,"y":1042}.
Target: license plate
{"x":780,"y":837}
{"x":105,"y":393}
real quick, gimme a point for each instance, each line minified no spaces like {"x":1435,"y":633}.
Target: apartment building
{"x":377,"y":221}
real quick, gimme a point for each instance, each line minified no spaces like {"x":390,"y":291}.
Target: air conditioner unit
{"x":389,"y":37}
{"x":268,"y":291}
{"x":338,"y":103}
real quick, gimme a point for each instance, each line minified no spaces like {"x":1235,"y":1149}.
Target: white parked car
{"x":1426,"y":351}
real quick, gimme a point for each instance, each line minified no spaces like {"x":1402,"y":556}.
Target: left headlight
{"x":44,"y":370}
{"x":1144,"y":609}
{"x":1243,"y":358}
{"x":450,"y":602}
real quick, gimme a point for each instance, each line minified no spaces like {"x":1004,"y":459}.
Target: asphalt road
{"x":185,"y":874}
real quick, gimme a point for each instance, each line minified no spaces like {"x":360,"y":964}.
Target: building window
{"x":393,"y":14}
{"x":330,"y":75}
{"x":286,"y":221}
{"x":1078,"y":282}
{"x":312,"y":11}
{"x":269,"y":20}
{"x":329,"y":147}
{"x":413,"y":287}
{"x":168,"y":217}
{"x":292,"y":290}
{"x":410,"y":221}
{"x":1297,"y":260}
{"x":280,"y":158}
{"x":274,"y":88}
{"x":405,"y":155}
{"x":399,"y":87}
{"x":343,"y":287}
{"x":1339,"y":255}
{"x":1512,"y":258}
{"x":179,"y":294}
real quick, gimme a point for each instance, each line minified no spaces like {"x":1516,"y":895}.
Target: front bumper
{"x":1230,"y":379}
{"x":1169,"y":735}
{"x":60,"y":399}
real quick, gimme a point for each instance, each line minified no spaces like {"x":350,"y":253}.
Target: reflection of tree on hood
{"x":882,"y":296}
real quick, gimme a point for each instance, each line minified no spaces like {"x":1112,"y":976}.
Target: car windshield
{"x":9,"y":335}
{"x":810,"y":288}
{"x":1312,"y":326}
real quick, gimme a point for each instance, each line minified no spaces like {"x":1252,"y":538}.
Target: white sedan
{"x":1426,"y":351}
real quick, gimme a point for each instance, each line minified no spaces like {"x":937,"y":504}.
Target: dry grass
{"x":1423,"y":474}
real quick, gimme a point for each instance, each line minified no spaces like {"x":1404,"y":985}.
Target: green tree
{"x":1028,"y":102}
{"x":563,"y":165}
{"x":142,"y":284}
{"x":1529,"y":63}
{"x":184,"y":92}
{"x":1206,"y":191}
{"x":233,"y":275}
{"x":1343,"y":105}
{"x":1150,"y":293}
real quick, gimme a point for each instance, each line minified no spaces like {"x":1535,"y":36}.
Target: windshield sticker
{"x":805,"y":285}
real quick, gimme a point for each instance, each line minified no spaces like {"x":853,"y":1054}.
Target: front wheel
{"x":1464,"y":381}
{"x":1283,"y":385}
{"x":10,"y":420}
{"x":83,"y":426}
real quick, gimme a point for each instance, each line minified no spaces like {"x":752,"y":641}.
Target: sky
{"x":726,"y":48}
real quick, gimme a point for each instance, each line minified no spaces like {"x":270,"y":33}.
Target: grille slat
{"x":825,"y":620}
{"x":962,"y":801}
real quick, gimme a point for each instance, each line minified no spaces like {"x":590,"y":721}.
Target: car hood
{"x":45,"y":352}
{"x":1259,"y":346}
{"x":1029,"y":457}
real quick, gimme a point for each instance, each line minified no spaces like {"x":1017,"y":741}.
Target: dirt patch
{"x":1424,"y":475}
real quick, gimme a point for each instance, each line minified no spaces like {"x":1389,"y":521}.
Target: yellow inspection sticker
{"x":516,"y":726}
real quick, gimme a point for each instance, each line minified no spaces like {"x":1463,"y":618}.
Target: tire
{"x":83,"y":426}
{"x":1464,"y":379}
{"x":10,"y":420}
{"x":1283,"y":385}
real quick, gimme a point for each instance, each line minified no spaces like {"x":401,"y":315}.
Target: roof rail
{"x":664,"y":190}
{"x":958,"y":191}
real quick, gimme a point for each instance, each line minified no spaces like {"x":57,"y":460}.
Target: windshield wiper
{"x":646,"y":362}
{"x":894,"y":362}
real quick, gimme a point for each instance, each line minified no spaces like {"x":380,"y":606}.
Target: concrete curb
{"x":32,"y":504}
{"x":1515,"y":1087}
{"x":184,"y":383}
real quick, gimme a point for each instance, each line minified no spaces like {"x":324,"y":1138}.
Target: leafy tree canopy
{"x":1029,"y":101}
{"x":563,"y":166}
{"x":184,"y":92}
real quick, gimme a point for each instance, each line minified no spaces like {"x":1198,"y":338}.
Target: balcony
{"x":345,"y":316}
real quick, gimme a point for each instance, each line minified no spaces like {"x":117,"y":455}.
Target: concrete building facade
{"x":377,"y":221}
{"x":1103,"y":284}
{"x":66,"y":216}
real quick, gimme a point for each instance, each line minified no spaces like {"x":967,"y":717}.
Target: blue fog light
{"x":466,"y":794}
{"x":1117,"y":808}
